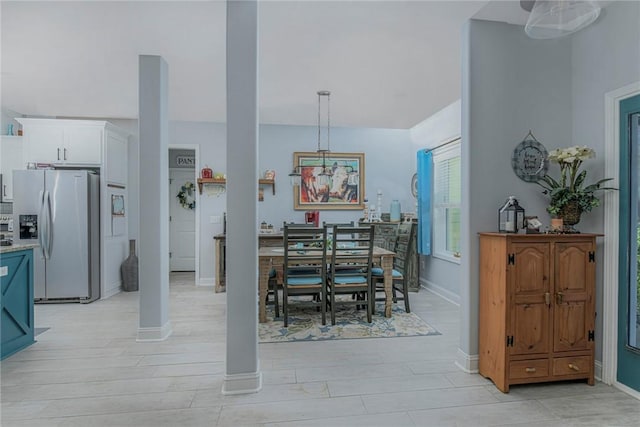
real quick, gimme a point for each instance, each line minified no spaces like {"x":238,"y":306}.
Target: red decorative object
{"x":312,"y":217}
{"x":206,"y":172}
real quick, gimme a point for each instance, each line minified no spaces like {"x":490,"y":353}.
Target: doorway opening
{"x":184,"y":215}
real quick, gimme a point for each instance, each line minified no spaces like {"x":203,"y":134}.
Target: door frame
{"x":611,"y":230}
{"x":196,"y":149}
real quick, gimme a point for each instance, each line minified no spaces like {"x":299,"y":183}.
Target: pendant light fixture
{"x":323,"y":178}
{"x":325,"y":173}
{"x":557,"y":18}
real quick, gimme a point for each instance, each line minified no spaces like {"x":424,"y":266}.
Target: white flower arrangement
{"x":569,"y":188}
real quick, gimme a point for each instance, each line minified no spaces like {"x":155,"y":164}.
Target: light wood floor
{"x":87,"y":370}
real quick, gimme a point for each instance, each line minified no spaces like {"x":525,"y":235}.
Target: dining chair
{"x":402,"y":244}
{"x":305,"y":268}
{"x":350,"y":267}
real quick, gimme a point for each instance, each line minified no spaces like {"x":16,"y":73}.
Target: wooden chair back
{"x":351,"y":247}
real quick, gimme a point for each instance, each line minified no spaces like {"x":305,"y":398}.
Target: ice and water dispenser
{"x":28,"y":227}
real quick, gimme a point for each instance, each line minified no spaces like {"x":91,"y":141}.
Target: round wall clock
{"x":529,"y":160}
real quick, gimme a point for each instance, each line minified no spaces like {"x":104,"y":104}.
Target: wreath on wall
{"x":186,"y":196}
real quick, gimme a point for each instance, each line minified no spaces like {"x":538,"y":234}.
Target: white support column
{"x":154,"y":199}
{"x":242,"y":367}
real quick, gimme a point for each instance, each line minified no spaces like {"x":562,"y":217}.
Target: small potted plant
{"x":569,"y":194}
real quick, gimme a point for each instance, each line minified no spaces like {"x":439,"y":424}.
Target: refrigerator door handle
{"x":49,"y":224}
{"x":41,"y":232}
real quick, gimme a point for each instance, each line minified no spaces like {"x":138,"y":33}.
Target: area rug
{"x":305,"y":324}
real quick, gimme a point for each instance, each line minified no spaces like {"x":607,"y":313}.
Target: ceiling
{"x":388,"y":64}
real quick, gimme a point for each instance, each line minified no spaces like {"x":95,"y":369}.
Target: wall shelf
{"x":223,"y":182}
{"x":271,"y":182}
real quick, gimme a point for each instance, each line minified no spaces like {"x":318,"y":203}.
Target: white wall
{"x":389,"y":166}
{"x":511,"y":84}
{"x":605,"y":56}
{"x":440,"y":275}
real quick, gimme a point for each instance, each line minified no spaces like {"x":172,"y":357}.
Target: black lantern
{"x":510,"y":216}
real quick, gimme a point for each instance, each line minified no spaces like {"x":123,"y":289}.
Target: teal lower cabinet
{"x":16,"y":301}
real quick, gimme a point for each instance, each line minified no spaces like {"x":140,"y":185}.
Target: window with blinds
{"x":446,"y":201}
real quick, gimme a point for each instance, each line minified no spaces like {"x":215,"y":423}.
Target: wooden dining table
{"x":273,"y":257}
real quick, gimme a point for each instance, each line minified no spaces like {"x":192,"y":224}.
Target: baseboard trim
{"x":597,"y":370}
{"x":155,"y":334}
{"x":242,"y":383}
{"x":467,"y":363}
{"x":626,"y":389}
{"x":112,"y":290}
{"x":440,"y":291}
{"x":206,"y":281}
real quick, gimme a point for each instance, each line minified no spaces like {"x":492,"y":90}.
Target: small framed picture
{"x":117,"y":205}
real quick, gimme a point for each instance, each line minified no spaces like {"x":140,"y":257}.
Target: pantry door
{"x":182,"y":222}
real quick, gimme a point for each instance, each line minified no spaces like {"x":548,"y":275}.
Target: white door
{"x":182,"y":222}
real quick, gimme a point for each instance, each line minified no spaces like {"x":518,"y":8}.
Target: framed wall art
{"x":340,"y":187}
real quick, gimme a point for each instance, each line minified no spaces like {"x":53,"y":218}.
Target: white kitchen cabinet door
{"x":83,"y":145}
{"x":10,"y":159}
{"x":44,"y":144}
{"x":116,"y":161}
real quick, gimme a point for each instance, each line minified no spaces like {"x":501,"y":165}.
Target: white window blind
{"x":446,"y":201}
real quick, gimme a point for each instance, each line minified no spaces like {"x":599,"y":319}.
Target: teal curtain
{"x":425,"y":177}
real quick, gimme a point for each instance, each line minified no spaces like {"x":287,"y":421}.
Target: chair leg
{"x":285,"y":306}
{"x":405,"y":288}
{"x":275,"y":299}
{"x":323,"y":308}
{"x":333,"y":306}
{"x":369,"y":306}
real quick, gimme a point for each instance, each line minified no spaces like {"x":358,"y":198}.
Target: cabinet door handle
{"x":65,"y":154}
{"x":529,"y":370}
{"x":574,"y":367}
{"x":547,"y":299}
{"x":58,"y":153}
{"x":4,"y":190}
{"x":559,"y":297}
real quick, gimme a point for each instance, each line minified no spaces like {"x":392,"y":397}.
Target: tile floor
{"x":87,"y":370}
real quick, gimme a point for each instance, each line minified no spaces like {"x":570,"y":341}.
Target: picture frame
{"x":117,"y":205}
{"x":346,"y":184}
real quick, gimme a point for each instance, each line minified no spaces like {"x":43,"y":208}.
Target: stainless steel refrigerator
{"x":60,"y":210}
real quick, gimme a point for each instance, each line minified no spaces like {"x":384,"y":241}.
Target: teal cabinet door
{"x":16,"y":302}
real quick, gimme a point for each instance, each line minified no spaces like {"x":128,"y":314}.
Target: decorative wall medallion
{"x":529,"y":159}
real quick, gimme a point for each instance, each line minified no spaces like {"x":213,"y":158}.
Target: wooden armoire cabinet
{"x":537,"y":307}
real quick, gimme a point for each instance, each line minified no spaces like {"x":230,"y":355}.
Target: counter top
{"x":17,"y":247}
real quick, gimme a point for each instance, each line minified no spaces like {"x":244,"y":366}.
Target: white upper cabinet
{"x":43,"y":144}
{"x":77,"y":143}
{"x":63,"y":142}
{"x":116,"y":154}
{"x":83,"y":145}
{"x":10,"y":160}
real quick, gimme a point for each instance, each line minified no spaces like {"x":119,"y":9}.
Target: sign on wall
{"x":186,"y":161}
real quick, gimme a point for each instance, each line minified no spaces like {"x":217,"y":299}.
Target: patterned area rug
{"x":305,"y":324}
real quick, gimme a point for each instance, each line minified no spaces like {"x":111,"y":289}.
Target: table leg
{"x":387,"y":266}
{"x":263,"y":288}
{"x":220,"y":282}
